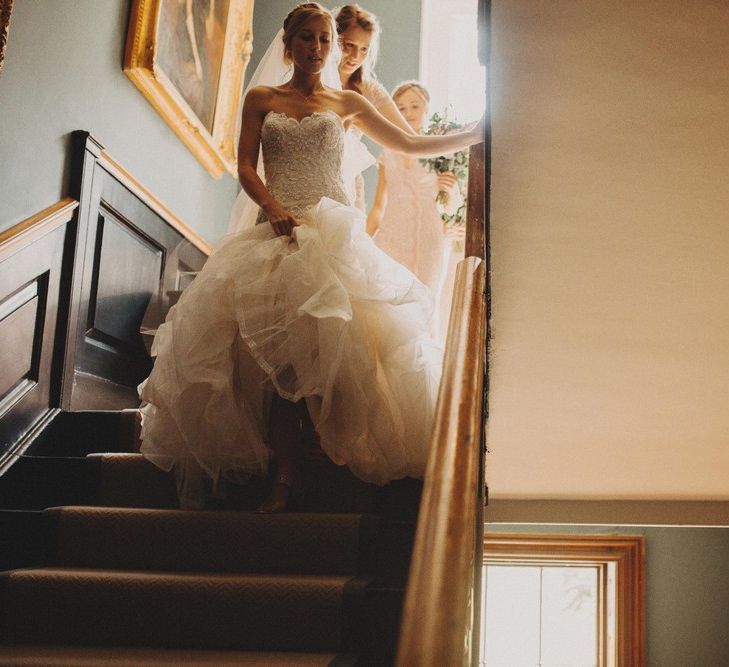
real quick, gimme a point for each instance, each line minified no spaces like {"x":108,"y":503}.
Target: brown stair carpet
{"x":210,"y":611}
{"x":78,"y":656}
{"x":130,"y":480}
{"x":211,"y":541}
{"x":104,"y":569}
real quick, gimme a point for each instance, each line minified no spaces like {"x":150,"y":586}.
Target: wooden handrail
{"x":441,"y":597}
{"x":30,"y":229}
{"x":441,"y":617}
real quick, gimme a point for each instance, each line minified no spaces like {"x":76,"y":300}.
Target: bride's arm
{"x":249,"y":145}
{"x":376,"y":93}
{"x":390,"y":111}
{"x":385,"y":133}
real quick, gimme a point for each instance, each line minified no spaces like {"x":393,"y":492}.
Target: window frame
{"x":620,"y":560}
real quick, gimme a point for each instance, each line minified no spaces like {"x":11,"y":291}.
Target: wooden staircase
{"x":100,"y":567}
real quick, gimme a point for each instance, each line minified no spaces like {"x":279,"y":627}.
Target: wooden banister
{"x":441,"y":616}
{"x":442,"y":592}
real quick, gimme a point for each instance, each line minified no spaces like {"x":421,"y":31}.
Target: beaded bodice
{"x":302,"y":159}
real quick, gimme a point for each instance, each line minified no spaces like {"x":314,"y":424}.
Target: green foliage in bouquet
{"x":457,"y":163}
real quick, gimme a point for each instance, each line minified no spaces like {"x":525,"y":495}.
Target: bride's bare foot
{"x":284,"y":488}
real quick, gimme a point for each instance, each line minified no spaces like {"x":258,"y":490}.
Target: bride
{"x":300,"y":317}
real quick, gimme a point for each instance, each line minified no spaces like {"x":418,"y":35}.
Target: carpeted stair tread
{"x":186,"y":540}
{"x":84,"y":656}
{"x":211,"y":611}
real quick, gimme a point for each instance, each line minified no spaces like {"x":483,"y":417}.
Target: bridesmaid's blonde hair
{"x":412,"y":84}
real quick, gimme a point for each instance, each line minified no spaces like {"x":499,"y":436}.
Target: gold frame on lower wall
{"x":620,"y":560}
{"x":189,"y":59}
{"x":6,"y":8}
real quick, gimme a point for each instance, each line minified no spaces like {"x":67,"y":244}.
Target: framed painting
{"x":188,"y":58}
{"x":6,"y":7}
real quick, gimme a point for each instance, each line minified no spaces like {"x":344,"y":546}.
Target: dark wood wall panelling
{"x":75,"y":281}
{"x":125,"y":239}
{"x":31,"y":288}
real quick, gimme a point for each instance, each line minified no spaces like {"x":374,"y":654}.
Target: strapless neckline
{"x":300,"y":121}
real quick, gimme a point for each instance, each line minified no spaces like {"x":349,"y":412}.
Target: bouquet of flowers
{"x":457,"y":163}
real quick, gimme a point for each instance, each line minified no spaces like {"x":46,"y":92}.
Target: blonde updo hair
{"x":297,"y":17}
{"x":354,"y":15}
{"x":414,"y":85}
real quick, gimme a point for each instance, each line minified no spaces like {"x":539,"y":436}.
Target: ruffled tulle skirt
{"x":325,"y":316}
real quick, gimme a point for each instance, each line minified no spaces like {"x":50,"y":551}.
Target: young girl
{"x":405,"y":219}
{"x":301,"y":306}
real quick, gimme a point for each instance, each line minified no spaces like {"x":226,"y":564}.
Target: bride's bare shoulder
{"x":260,"y":95}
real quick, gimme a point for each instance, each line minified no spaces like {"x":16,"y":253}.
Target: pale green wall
{"x":63,"y":72}
{"x":687,"y":589}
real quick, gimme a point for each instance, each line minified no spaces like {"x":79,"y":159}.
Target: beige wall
{"x":610,"y":247}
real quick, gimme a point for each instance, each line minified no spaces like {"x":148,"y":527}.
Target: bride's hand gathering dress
{"x":324,"y":315}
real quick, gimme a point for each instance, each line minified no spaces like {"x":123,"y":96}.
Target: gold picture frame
{"x":188,"y":58}
{"x":6,"y":8}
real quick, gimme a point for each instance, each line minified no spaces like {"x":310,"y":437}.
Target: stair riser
{"x":211,"y":541}
{"x":25,"y":538}
{"x":376,"y":619}
{"x":36,"y":483}
{"x":129,"y":480}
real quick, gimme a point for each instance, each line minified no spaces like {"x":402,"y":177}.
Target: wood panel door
{"x":123,"y":248}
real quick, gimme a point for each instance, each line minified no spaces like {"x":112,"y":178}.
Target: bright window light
{"x":540,"y":616}
{"x":449,"y":66}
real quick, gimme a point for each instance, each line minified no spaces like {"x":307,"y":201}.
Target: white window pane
{"x":569,"y":616}
{"x":511,"y":637}
{"x":449,"y":65}
{"x":466,"y":76}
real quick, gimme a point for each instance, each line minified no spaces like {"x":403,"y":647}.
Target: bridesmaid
{"x":359,"y":40}
{"x":405,"y":220}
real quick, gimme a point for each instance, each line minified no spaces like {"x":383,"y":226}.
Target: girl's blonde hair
{"x":297,"y":17}
{"x":354,"y":15}
{"x":412,"y":84}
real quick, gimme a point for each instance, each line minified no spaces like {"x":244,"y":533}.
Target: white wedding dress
{"x":324,"y":315}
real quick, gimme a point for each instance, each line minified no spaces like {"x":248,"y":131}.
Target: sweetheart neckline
{"x":299,"y":121}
